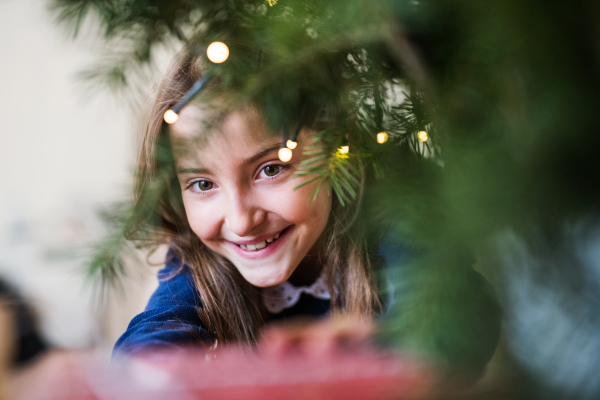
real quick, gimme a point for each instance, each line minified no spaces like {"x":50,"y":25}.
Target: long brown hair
{"x":231,"y":307}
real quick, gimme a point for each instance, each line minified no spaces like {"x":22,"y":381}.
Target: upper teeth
{"x":258,"y":246}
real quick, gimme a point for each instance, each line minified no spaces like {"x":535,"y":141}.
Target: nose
{"x":244,"y":213}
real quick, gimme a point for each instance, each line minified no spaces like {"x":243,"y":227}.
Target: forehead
{"x":207,"y":133}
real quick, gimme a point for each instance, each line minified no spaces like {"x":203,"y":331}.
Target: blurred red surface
{"x":235,"y":374}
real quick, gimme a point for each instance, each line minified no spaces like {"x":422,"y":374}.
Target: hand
{"x":323,"y":337}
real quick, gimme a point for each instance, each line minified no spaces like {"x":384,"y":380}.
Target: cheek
{"x":202,"y":217}
{"x":298,"y":206}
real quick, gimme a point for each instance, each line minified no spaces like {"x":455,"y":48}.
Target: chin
{"x":268,"y":279}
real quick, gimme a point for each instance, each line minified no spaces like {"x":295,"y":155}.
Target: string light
{"x":171,"y":116}
{"x":342,"y":152}
{"x":285,"y":154}
{"x":423,"y":136}
{"x":382,"y":137}
{"x":292,"y":143}
{"x":217,"y":52}
{"x":344,"y":149}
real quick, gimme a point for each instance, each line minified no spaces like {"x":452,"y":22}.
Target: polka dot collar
{"x":285,"y":295}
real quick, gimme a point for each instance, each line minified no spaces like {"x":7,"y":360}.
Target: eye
{"x":202,"y":185}
{"x":272,"y":170}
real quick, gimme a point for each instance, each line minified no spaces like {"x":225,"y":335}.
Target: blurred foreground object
{"x":20,"y":338}
{"x":232,"y":374}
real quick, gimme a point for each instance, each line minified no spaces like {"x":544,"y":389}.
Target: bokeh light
{"x":217,"y":52}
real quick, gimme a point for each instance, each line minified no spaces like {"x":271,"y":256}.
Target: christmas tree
{"x":458,"y":120}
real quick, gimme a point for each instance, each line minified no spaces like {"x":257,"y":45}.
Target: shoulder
{"x":171,"y":317}
{"x":176,"y":285}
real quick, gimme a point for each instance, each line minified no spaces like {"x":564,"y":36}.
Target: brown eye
{"x":203,"y":185}
{"x":272,"y":170}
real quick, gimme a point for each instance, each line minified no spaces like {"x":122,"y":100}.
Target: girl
{"x":246,"y":247}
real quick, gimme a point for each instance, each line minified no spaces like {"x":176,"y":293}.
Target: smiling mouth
{"x":261,"y":245}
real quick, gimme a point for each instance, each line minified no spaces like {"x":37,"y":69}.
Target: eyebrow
{"x":192,"y":171}
{"x":262,"y":153}
{"x":246,"y":162}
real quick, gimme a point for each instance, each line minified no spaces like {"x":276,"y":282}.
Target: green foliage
{"x":284,"y":57}
{"x":507,"y":91}
{"x":331,"y":167}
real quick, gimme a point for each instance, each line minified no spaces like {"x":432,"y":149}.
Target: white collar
{"x":285,"y":295}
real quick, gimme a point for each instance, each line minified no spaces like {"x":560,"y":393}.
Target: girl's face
{"x":240,"y":199}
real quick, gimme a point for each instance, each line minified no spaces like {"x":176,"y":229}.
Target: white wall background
{"x":63,"y":154}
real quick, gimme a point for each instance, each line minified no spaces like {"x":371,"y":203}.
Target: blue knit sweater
{"x":465,"y":331}
{"x":171,"y":320}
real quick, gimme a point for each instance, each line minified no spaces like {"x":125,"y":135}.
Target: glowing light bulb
{"x":171,"y":116}
{"x":423,"y":136}
{"x":217,"y":52}
{"x":344,"y":149}
{"x":382,"y":137}
{"x":291,"y":144}
{"x":285,"y":154}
